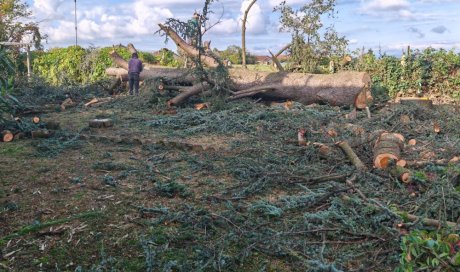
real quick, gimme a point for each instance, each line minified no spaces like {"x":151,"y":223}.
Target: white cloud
{"x":96,"y":22}
{"x":274,"y":3}
{"x":48,"y":7}
{"x":385,"y":5}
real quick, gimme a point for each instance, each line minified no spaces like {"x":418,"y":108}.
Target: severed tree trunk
{"x":342,"y":89}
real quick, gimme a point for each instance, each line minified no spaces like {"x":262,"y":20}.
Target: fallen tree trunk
{"x":342,"y":89}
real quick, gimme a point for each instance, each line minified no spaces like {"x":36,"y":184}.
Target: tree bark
{"x":387,"y":147}
{"x":191,"y":91}
{"x":243,"y":32}
{"x":276,"y":61}
{"x":131,"y":48}
{"x":189,"y":49}
{"x":283,"y":49}
{"x":341,"y":89}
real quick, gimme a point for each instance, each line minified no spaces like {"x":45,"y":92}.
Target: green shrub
{"x":76,"y":65}
{"x":430,"y":251}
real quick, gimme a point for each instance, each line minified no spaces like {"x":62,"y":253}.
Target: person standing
{"x":134,"y":70}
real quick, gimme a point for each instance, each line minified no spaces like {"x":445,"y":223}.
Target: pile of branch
{"x":342,"y":89}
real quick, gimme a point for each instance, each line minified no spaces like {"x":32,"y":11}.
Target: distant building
{"x":267,"y":60}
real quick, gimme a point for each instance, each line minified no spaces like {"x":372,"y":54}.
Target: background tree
{"x":243,"y":32}
{"x":14,"y":25}
{"x":234,"y":54}
{"x":312,"y":42}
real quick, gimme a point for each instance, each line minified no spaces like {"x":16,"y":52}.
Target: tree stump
{"x":101,"y":123}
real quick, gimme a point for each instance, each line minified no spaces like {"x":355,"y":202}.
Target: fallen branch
{"x":348,"y":151}
{"x":190,"y":91}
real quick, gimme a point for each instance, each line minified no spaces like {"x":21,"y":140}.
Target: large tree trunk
{"x":342,"y":89}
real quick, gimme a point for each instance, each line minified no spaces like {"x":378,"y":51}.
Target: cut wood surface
{"x":388,"y":147}
{"x":7,"y":136}
{"x":97,"y":101}
{"x":101,"y":123}
{"x":67,"y":103}
{"x":401,"y":173}
{"x":35,"y":119}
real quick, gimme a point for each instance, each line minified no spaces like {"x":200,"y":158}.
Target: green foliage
{"x":218,"y":78}
{"x":8,"y":103}
{"x":172,"y":189}
{"x":427,"y":72}
{"x":167,"y":58}
{"x":433,"y":251}
{"x":309,"y":48}
{"x":76,"y":65}
{"x":234,"y":54}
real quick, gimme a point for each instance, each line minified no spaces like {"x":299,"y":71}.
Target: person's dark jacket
{"x":134,"y":65}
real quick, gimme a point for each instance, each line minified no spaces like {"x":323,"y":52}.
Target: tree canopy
{"x":15,"y":23}
{"x":312,"y":41}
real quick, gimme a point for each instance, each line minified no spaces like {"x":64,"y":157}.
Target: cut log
{"x":7,"y":136}
{"x":419,"y":101}
{"x":401,"y":163}
{"x":388,"y":147}
{"x":41,"y":133}
{"x":348,"y":151}
{"x":98,"y":101}
{"x":52,"y":125}
{"x":101,"y":123}
{"x":436,"y":127}
{"x":401,"y":173}
{"x":412,"y":142}
{"x":35,"y":119}
{"x":67,"y":103}
{"x":301,"y":138}
{"x":19,"y":136}
{"x":202,"y":106}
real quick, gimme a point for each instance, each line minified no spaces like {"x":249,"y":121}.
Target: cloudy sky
{"x":388,"y":25}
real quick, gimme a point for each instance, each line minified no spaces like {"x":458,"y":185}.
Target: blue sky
{"x":386,"y":25}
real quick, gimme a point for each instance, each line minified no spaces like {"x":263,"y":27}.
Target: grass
{"x":39,"y":226}
{"x":241,"y":206}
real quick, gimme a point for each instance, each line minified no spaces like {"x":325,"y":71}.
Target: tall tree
{"x":243,"y":32}
{"x":15,"y":24}
{"x":312,"y":41}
